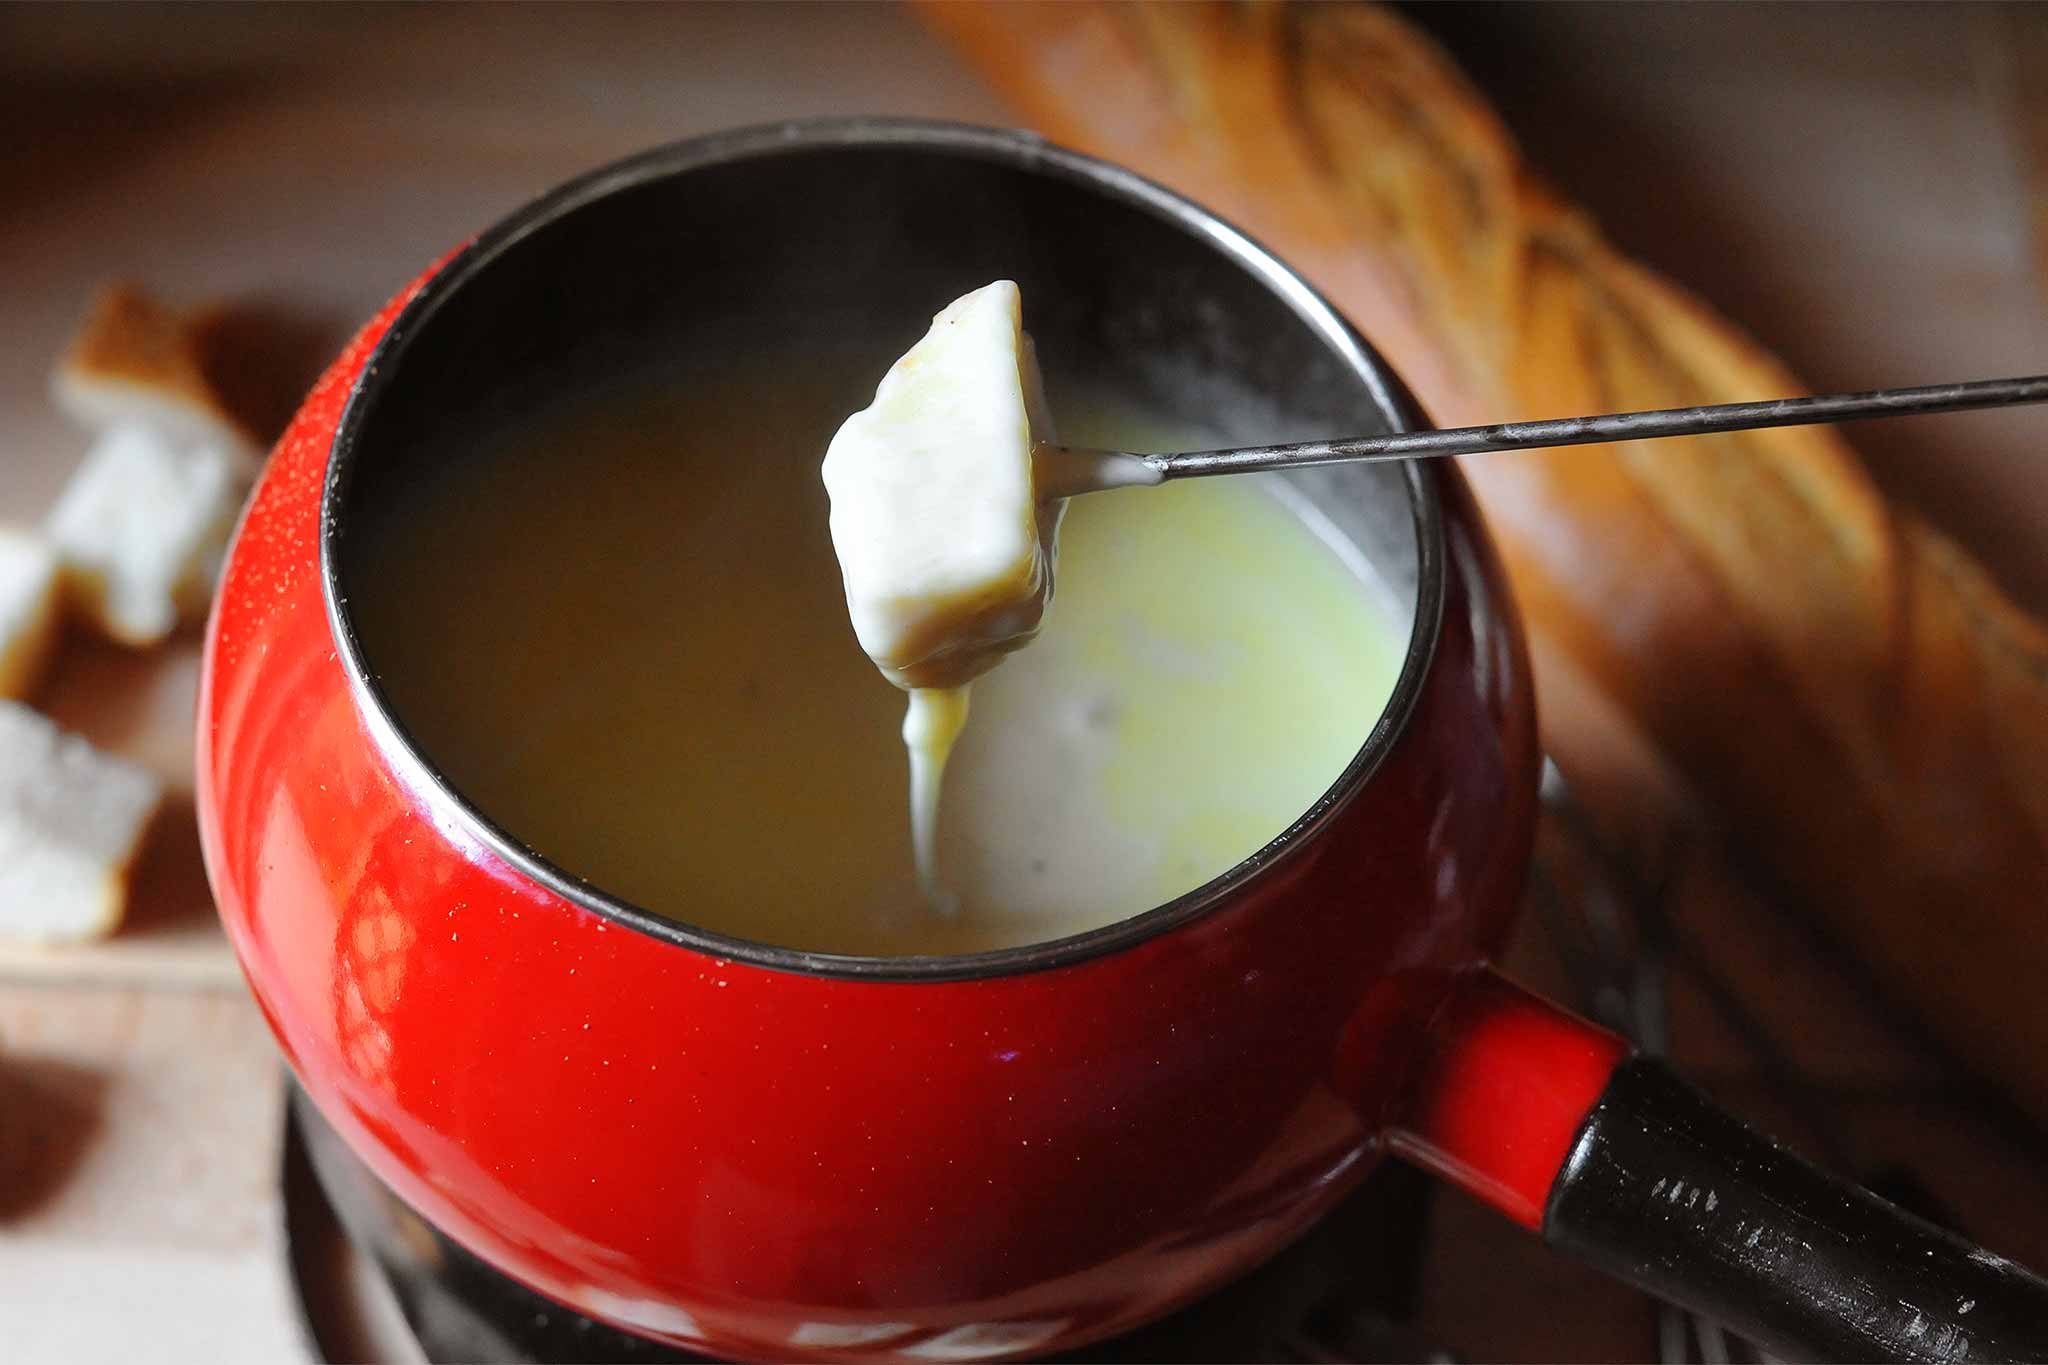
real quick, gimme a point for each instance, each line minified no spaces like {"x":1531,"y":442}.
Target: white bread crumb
{"x":140,"y":530}
{"x":28,"y":610}
{"x":71,"y":822}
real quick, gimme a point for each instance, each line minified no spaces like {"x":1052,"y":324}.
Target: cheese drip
{"x":945,"y":547}
{"x":931,"y":725}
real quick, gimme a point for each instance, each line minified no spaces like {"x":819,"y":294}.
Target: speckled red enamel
{"x":768,"y":1164}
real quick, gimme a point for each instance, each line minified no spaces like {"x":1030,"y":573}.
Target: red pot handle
{"x":1615,"y":1159}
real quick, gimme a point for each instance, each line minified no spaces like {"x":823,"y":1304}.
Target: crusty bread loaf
{"x":71,"y":822}
{"x":1843,"y":686}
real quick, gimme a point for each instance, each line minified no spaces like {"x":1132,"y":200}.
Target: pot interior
{"x":801,"y":246}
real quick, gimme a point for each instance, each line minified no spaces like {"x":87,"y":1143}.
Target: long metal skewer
{"x":1082,"y":470}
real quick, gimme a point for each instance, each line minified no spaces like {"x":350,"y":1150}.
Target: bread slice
{"x":71,"y":822}
{"x":140,"y":530}
{"x":136,"y":362}
{"x":28,"y":610}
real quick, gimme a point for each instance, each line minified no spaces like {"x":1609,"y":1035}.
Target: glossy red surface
{"x":1505,"y":1086}
{"x":771,"y":1164}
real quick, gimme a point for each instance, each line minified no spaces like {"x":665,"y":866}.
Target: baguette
{"x":1843,"y":687}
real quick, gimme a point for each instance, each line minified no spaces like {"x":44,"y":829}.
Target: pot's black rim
{"x":457,"y":817}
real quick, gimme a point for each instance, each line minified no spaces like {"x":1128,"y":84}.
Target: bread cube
{"x":136,"y":362}
{"x":71,"y":822}
{"x":945,"y":548}
{"x":140,"y":530}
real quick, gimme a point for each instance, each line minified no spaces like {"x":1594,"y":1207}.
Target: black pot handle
{"x":1664,"y":1189}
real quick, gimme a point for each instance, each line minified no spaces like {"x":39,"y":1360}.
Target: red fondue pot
{"x":762,"y":1152}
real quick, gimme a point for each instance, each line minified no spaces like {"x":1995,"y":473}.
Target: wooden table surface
{"x":1862,"y":188}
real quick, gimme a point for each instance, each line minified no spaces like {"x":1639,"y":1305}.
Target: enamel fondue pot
{"x":761,"y":1152}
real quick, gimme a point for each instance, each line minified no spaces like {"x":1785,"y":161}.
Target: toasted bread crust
{"x":26,"y":654}
{"x":29,"y":615}
{"x":132,"y":350}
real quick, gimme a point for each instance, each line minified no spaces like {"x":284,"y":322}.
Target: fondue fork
{"x":1065,"y":471}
